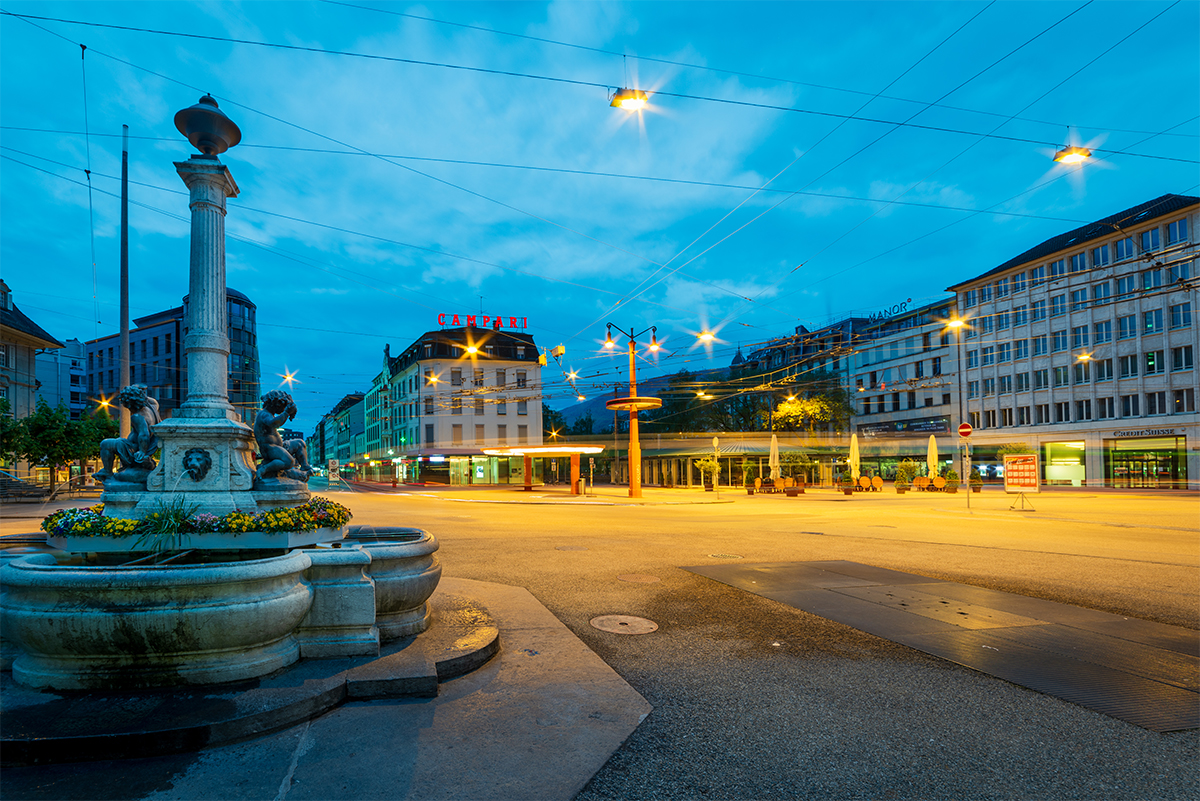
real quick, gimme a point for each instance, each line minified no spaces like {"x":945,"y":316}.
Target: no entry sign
{"x":965,"y":430}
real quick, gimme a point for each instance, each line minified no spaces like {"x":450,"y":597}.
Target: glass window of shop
{"x":1146,"y":462}
{"x":1064,"y":463}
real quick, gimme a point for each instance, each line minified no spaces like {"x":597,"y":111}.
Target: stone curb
{"x":46,"y":727}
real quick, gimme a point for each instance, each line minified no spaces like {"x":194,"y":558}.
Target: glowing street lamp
{"x":706,"y":336}
{"x":633,"y":404}
{"x":629,"y":99}
{"x":1072,"y":155}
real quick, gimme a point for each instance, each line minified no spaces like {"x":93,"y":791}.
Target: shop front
{"x":1065,"y":463}
{"x":1132,"y":459}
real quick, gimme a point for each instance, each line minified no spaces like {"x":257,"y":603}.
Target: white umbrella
{"x":854,"y":457}
{"x":773,"y":459}
{"x":931,"y":457}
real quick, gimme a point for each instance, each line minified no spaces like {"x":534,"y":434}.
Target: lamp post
{"x":633,"y":404}
{"x":957,"y":325}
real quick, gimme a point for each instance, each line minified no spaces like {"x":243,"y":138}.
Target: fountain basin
{"x":212,"y":541}
{"x":87,"y":627}
{"x":406,"y":571}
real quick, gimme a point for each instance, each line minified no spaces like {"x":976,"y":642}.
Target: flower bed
{"x":318,"y":513}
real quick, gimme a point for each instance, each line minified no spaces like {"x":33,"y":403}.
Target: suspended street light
{"x":629,"y":99}
{"x":706,"y":336}
{"x":1072,"y":155}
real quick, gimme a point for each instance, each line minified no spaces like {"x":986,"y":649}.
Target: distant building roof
{"x":737,"y":358}
{"x":1099,"y":229}
{"x":13,"y":318}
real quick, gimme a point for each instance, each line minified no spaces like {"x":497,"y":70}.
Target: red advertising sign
{"x":481,"y":321}
{"x":965,"y":430}
{"x":1021,"y":473}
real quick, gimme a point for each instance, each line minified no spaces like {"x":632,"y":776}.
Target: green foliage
{"x":49,"y":437}
{"x":749,"y":471}
{"x":952,"y":480}
{"x":12,"y":434}
{"x":793,"y":463}
{"x":166,"y":529}
{"x":906,"y":471}
{"x":708,"y":466}
{"x":1014,"y":447}
{"x":583,"y":425}
{"x":975,"y":480}
{"x":553,"y":420}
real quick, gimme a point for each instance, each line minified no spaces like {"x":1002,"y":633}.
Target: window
{"x":1083,"y":372}
{"x":1100,"y":293}
{"x":945,"y":399}
{"x":1105,"y":408}
{"x":1181,"y":358}
{"x":480,"y":434}
{"x":1083,"y":410}
{"x":1021,"y":349}
{"x":1185,"y":400}
{"x":1061,"y":376}
{"x":456,"y":406}
{"x":428,"y":404}
{"x":1104,"y":370}
{"x":990,"y":418}
{"x":1041,"y":379}
{"x":1040,"y":345}
{"x":522,"y":435}
{"x":989,"y":356}
{"x":1079,"y":263}
{"x":937,"y":365}
{"x":502,"y":406}
{"x":1126,"y":327}
{"x":1002,"y":321}
{"x":477,"y":378}
{"x":1022,"y":382}
{"x":1018,"y":282}
{"x":1177,"y":231}
{"x":1059,"y":339}
{"x":987,"y":324}
{"x":1058,"y":268}
{"x":1156,"y":403}
{"x":1126,"y":285}
{"x":1039,"y":310}
{"x":1129,"y":366}
{"x":1100,"y":257}
{"x":1062,"y":412}
{"x":912,"y":400}
{"x":1003,"y":353}
{"x":1129,"y":406}
{"x":972,"y":389}
{"x":972,"y":358}
{"x":1006,"y":385}
{"x":1079,"y":336}
{"x":502,"y":435}
{"x":1181,"y":315}
{"x":919,"y":369}
{"x":1155,"y":363}
{"x":155,"y":347}
{"x":456,"y":434}
{"x":1149,"y":240}
{"x":989,"y":387}
{"x":1179,"y":272}
{"x":522,"y":407}
{"x":520,"y":378}
{"x":1123,"y":248}
{"x":1037,"y":276}
{"x":1002,"y":288}
{"x":985,"y":293}
{"x":429,"y":440}
{"x":479,"y":406}
{"x":1079,"y":299}
{"x":500,"y":378}
{"x":1153,"y":321}
{"x":1043,"y":413}
{"x":520,"y":351}
{"x":1103,"y":332}
{"x":1023,"y":416}
{"x":970,"y":298}
{"x":1058,"y":305}
{"x":1151,"y":279}
{"x":895,"y":401}
{"x":1020,"y":315}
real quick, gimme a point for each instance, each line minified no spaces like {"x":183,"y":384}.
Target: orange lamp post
{"x":633,"y":404}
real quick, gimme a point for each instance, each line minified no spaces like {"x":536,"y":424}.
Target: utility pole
{"x":124,"y":362}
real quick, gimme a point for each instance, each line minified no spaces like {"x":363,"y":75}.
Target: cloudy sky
{"x":797,"y":162}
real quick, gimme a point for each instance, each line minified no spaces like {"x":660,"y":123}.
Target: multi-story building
{"x":1083,"y":347}
{"x":905,"y":378}
{"x":20,"y":340}
{"x":61,"y":377}
{"x":156,"y":358}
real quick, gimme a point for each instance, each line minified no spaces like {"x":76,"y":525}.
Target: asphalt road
{"x":753,"y":699}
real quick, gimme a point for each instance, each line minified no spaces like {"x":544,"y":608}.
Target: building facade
{"x":61,"y":377}
{"x":20,"y":341}
{"x":1084,"y":349}
{"x":157,"y":359}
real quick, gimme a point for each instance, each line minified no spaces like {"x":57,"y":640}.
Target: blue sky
{"x":751,"y":196}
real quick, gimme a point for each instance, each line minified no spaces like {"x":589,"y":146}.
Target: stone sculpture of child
{"x":137,"y":450}
{"x":278,"y":408}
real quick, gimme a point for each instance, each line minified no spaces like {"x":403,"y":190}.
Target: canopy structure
{"x":854,"y":458}
{"x":773,"y":459}
{"x":931,"y":457}
{"x":633,"y":404}
{"x":550,"y":452}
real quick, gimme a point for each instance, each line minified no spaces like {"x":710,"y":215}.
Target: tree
{"x":49,"y":438}
{"x":583,"y":425}
{"x":553,"y":420}
{"x":91,"y":430}
{"x":12,"y":434}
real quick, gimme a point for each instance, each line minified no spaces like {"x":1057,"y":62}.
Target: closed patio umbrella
{"x":931,"y":457}
{"x":853,"y":460}
{"x":773,"y":459}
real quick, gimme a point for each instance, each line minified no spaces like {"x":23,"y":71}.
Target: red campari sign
{"x":497,"y":322}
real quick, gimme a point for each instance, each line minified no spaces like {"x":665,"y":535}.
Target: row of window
{"x":408,"y":386}
{"x":149,"y":348}
{"x":1083,"y":372}
{"x":935,"y":369}
{"x":1180,"y":314}
{"x":457,"y":437}
{"x":1056,"y":341}
{"x":1122,"y":249}
{"x":1180,"y":401}
{"x":878,"y":403}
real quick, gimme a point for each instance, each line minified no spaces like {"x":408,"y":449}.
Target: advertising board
{"x":1021,"y":473}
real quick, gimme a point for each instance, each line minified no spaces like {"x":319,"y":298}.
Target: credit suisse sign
{"x":481,"y":321}
{"x":1146,"y":432}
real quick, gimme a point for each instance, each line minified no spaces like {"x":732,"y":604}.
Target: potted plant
{"x":749,"y":473}
{"x":952,"y":481}
{"x":847,"y":485}
{"x":710,"y":469}
{"x":906,"y":471}
{"x":976,"y":480}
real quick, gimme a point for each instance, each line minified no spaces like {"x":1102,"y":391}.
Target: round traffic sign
{"x":965,"y":430}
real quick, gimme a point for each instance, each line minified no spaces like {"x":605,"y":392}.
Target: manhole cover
{"x":624,"y":624}
{"x":725,"y":556}
{"x":640,"y":578}
{"x":570,"y":548}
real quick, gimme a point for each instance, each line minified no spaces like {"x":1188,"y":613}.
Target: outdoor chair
{"x":877,"y":484}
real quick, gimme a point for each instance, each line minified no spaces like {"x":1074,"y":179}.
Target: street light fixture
{"x":706,"y":336}
{"x":1072,"y":155}
{"x":633,"y":404}
{"x":629,"y":99}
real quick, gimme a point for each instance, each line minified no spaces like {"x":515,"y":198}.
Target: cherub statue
{"x":138,"y":449}
{"x":303,"y":470}
{"x":278,"y":408}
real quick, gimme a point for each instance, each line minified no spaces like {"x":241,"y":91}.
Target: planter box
{"x":901,"y":490}
{"x":282,"y":540}
{"x":848,"y":491}
{"x":792,"y":492}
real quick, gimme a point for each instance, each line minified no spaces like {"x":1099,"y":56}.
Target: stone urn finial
{"x":207,"y":127}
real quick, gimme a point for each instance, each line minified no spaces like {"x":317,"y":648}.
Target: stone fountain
{"x":95,"y":614}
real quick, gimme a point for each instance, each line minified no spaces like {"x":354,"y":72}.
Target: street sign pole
{"x":964,"y":433}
